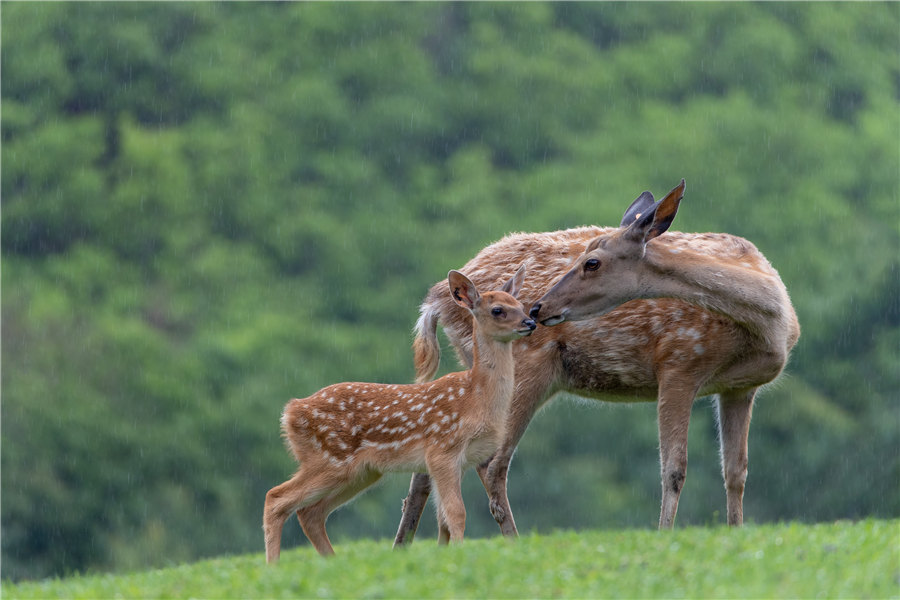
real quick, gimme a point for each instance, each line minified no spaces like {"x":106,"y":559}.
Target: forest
{"x":211,"y":208}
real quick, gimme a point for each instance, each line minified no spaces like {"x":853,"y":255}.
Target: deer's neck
{"x":492,"y":374}
{"x":750,"y":292}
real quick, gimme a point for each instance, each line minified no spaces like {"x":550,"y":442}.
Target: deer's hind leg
{"x":735,"y":409}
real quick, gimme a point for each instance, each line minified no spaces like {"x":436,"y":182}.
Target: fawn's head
{"x":498,"y":313}
{"x":606,"y":274}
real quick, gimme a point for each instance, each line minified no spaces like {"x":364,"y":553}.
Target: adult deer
{"x":639,"y":317}
{"x":347,"y":435}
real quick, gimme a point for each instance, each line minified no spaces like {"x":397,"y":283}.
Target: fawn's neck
{"x":750,"y":293}
{"x":492,"y":374}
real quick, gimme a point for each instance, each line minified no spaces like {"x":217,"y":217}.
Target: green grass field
{"x":839,"y":560}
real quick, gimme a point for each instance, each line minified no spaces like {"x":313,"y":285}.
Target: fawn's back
{"x":360,"y":423}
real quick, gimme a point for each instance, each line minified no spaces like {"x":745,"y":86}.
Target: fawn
{"x":347,"y":435}
{"x":707,"y":315}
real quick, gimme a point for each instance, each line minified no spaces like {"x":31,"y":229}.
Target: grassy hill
{"x":838,"y":560}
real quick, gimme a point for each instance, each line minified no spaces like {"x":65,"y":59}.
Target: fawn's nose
{"x":529,"y":323}
{"x":533,"y":313}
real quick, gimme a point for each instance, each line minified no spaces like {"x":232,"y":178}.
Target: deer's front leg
{"x":532,"y":389}
{"x":493,"y":477}
{"x":674,"y":415}
{"x":413,"y":505}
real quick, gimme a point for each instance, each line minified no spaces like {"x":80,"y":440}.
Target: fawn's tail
{"x":426,"y":349}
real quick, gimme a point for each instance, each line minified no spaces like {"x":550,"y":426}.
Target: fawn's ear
{"x":658,"y":218}
{"x":462,"y":289}
{"x":637,"y":209}
{"x":514,"y":284}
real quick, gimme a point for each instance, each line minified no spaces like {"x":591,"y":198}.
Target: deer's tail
{"x":426,"y":348}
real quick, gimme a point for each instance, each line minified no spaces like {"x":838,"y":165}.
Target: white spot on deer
{"x":418,"y":406}
{"x":698,"y":349}
{"x":331,"y":400}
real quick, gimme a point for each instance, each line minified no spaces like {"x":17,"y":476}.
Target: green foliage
{"x":209,"y":209}
{"x":840,"y":560}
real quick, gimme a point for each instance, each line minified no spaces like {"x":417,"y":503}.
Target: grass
{"x":838,"y":560}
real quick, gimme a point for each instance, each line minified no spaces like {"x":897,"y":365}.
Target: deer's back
{"x":617,"y":356}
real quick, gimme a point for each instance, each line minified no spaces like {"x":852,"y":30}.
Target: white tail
{"x":346,"y":436}
{"x":720,"y":322}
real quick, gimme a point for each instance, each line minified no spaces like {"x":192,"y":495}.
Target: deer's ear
{"x":658,"y":218}
{"x":514,"y":285}
{"x":462,"y":289}
{"x":638,"y":208}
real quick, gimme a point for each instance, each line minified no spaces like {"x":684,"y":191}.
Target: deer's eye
{"x":496,"y":311}
{"x":591,"y":264}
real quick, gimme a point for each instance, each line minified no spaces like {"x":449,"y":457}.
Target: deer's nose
{"x":529,"y":323}
{"x":533,"y":313}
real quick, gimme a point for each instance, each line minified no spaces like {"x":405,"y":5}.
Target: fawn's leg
{"x":443,"y":528}
{"x":312,"y":521}
{"x":300,"y":490}
{"x":312,"y":518}
{"x":674,"y":415}
{"x":413,"y":505}
{"x":735,"y":409}
{"x":447,"y":476}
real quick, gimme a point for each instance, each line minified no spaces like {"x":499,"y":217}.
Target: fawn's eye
{"x":591,"y":264}
{"x":496,"y":311}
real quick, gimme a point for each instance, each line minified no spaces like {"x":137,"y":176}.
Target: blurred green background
{"x":208,"y":209}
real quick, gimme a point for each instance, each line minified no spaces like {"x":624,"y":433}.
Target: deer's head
{"x":607,"y":274}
